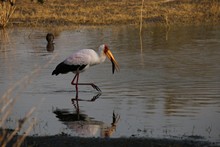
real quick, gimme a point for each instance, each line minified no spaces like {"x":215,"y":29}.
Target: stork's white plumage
{"x":83,"y":59}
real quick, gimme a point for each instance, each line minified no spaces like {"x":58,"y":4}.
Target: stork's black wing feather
{"x":64,"y":68}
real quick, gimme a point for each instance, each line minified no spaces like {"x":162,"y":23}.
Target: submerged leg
{"x":75,"y":103}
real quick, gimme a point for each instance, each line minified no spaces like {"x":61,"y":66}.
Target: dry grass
{"x":108,"y":12}
{"x":7,"y":8}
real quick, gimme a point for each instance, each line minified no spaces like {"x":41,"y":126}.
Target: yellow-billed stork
{"x":83,"y":59}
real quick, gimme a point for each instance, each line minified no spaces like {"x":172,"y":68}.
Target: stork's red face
{"x":109,"y":54}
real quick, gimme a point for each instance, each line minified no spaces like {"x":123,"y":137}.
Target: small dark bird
{"x":50,"y":43}
{"x":50,"y":37}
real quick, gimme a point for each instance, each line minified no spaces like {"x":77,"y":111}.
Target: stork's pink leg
{"x":77,"y":78}
{"x":73,"y":80}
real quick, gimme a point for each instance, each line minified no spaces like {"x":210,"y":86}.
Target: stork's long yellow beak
{"x":115,"y":65}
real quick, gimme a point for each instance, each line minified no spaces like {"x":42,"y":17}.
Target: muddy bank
{"x":67,"y":141}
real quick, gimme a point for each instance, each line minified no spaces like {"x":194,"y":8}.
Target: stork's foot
{"x":96,"y":87}
{"x":93,"y":85}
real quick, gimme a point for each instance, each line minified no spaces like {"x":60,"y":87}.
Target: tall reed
{"x":141,"y":16}
{"x":7,"y":8}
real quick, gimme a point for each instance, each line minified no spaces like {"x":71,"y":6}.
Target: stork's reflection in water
{"x":83,"y":125}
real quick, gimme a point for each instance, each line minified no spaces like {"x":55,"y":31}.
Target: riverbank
{"x":114,"y":12}
{"x":68,"y":141}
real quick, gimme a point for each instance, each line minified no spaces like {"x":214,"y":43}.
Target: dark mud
{"x":68,"y":141}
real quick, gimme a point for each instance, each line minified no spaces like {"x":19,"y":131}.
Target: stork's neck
{"x":101,"y":53}
{"x":102,"y":57}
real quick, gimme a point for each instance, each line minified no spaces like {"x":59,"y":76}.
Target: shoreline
{"x":69,"y":141}
{"x":66,"y":140}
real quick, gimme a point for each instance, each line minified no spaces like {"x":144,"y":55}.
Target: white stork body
{"x":83,"y":59}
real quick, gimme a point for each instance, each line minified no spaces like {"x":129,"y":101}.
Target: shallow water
{"x":168,"y":85}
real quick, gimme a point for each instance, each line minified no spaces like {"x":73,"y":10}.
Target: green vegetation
{"x":114,"y":12}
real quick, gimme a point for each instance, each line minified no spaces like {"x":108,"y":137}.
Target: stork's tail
{"x":55,"y":72}
{"x":61,"y":68}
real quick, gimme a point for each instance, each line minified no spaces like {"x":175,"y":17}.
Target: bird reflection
{"x":76,"y":99}
{"x":50,"y":43}
{"x":83,"y":125}
{"x":50,"y":47}
{"x":108,"y":131}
